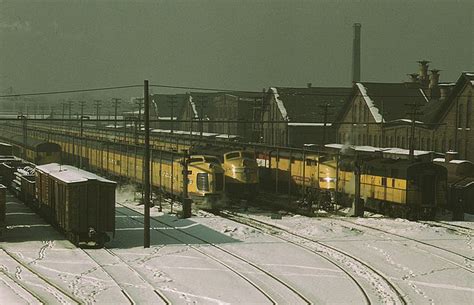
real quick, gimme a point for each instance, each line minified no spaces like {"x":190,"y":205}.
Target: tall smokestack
{"x":356,"y":53}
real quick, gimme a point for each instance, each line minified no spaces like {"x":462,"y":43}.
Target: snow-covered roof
{"x":280,"y":104}
{"x":193,"y":107}
{"x":370,"y":103}
{"x":309,"y":124}
{"x":70,"y":174}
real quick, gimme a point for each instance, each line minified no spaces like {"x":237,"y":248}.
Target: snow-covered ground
{"x":210,"y":259}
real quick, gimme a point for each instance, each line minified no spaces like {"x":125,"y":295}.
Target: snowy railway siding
{"x":213,"y":260}
{"x":272,"y":287}
{"x":383,"y":290}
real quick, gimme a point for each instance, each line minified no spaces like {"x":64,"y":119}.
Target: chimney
{"x":450,"y":155}
{"x":444,"y":90}
{"x":413,"y":77}
{"x":309,"y":85}
{"x":434,"y":79}
{"x":424,"y":72}
{"x":356,"y":53}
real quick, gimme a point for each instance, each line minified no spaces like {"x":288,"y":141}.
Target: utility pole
{"x":185,"y":200}
{"x":146,"y":168}
{"x":138,"y":127}
{"x":172,"y":103}
{"x":116,"y":102}
{"x":201,"y":115}
{"x":70,"y":108}
{"x":325,"y":109}
{"x":414,"y":113}
{"x":97,"y":108}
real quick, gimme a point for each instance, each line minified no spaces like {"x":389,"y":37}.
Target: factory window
{"x":428,"y":144}
{"x":398,"y":141}
{"x":364,"y":139}
{"x":359,"y":140}
{"x":422,"y":143}
{"x":403,"y":142}
{"x":468,"y":113}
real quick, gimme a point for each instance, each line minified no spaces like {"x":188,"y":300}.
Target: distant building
{"x":298,"y":116}
{"x":381,"y":114}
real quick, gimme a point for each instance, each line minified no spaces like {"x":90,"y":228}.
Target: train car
{"x":460,"y":184}
{"x":80,"y":203}
{"x":402,"y":188}
{"x":36,"y":151}
{"x":240,"y":169}
{"x":3,"y":199}
{"x":205,"y":174}
{"x":307,"y":172}
{"x":6,"y":149}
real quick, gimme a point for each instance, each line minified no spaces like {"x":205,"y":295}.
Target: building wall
{"x":456,"y":133}
{"x":274,"y":132}
{"x":354,"y":130}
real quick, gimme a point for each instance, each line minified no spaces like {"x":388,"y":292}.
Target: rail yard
{"x":226,"y":152}
{"x":255,"y":200}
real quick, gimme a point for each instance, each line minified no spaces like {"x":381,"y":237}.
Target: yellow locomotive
{"x":240,"y":168}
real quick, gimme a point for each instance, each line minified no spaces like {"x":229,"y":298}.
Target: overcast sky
{"x":248,"y":45}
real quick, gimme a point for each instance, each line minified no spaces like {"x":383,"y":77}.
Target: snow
{"x":309,"y":124}
{"x":193,"y":106}
{"x":212,"y":260}
{"x":69,"y":173}
{"x":424,"y":95}
{"x":370,"y":103}
{"x":280,"y":104}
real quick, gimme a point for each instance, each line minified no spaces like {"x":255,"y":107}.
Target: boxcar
{"x":80,"y":203}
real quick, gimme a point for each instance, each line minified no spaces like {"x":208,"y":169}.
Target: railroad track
{"x":467,"y":260}
{"x":331,"y":254}
{"x":95,"y":255}
{"x":221,"y":262}
{"x":60,"y":294}
{"x":453,"y":227}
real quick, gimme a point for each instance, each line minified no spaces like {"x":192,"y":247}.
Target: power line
{"x":216,"y":90}
{"x":70,"y":91}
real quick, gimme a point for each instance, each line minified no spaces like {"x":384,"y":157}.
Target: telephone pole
{"x":172,"y":103}
{"x":414,"y":113}
{"x":97,"y":108}
{"x":138,"y":127}
{"x":325,"y":109}
{"x":146,"y":168}
{"x":116,"y":102}
{"x":201,"y":101}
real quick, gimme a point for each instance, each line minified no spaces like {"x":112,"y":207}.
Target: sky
{"x":243,"y":45}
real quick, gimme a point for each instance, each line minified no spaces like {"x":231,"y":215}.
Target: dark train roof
{"x":31,"y":143}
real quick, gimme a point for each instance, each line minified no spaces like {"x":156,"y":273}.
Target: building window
{"x":398,"y":141}
{"x":364,"y":139}
{"x":435,"y":148}
{"x":450,"y":144}
{"x":375,"y":141}
{"x":443,"y":145}
{"x":428,"y":144}
{"x":422,"y":143}
{"x":403,"y":142}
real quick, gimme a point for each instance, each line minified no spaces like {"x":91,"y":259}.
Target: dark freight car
{"x":80,"y":203}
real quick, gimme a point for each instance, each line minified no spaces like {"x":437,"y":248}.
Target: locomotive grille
{"x":202,"y":182}
{"x":219,"y":181}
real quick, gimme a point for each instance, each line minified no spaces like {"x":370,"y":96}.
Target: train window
{"x":202,"y":181}
{"x":194,"y":160}
{"x":211,"y":160}
{"x":311,"y":162}
{"x":248,"y":154}
{"x":384,"y":181}
{"x":233,"y":155}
